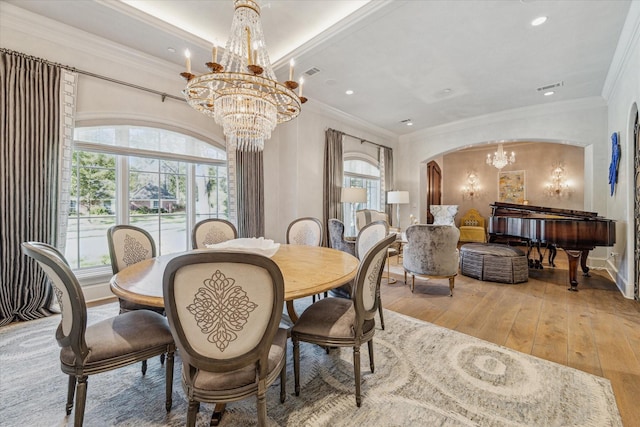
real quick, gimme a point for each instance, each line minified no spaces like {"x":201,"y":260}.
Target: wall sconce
{"x":559,"y":186}
{"x":472,"y":189}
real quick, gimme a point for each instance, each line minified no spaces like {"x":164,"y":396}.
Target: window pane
{"x":361,"y":167}
{"x":157,"y":202}
{"x":91,"y":210}
{"x":149,"y":139}
{"x":87,"y":242}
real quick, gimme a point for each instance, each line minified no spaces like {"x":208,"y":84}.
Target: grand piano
{"x":576,"y":232}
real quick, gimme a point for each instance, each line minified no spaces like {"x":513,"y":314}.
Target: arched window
{"x":363,"y":173}
{"x":156,"y":179}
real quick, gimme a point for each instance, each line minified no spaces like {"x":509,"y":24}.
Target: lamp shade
{"x":354,"y":195}
{"x":397,"y":197}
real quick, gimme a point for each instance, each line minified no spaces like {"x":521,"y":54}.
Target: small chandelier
{"x":558,"y":186}
{"x":241,"y":92}
{"x":500,"y":158}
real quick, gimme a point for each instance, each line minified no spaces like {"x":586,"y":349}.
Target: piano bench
{"x":494,"y":263}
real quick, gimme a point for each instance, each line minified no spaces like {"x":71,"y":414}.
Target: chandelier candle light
{"x":241,"y":92}
{"x":500,"y":158}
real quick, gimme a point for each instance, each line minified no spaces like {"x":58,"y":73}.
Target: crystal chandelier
{"x":500,"y":158}
{"x":241,"y":92}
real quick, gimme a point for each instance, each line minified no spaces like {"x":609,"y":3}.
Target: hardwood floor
{"x":595,"y":330}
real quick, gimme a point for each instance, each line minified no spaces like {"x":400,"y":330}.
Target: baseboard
{"x":97,"y":292}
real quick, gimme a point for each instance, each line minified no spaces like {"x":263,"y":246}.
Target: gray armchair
{"x":431,"y":250}
{"x":337,"y":239}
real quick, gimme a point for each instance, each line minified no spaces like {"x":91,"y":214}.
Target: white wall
{"x":294,"y":163}
{"x":622,"y":91}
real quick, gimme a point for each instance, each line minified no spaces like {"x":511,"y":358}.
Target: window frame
{"x":98,"y":274}
{"x":351,"y":156}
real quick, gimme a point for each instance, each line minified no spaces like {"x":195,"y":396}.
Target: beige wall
{"x":534,"y":158}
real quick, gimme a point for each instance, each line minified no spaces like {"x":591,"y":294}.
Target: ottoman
{"x":494,"y":262}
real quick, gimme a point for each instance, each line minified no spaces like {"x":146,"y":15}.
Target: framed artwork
{"x":511,"y":187}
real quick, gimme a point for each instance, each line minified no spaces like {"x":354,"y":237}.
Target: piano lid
{"x":512,"y":209}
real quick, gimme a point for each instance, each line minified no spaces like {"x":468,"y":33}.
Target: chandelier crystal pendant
{"x":500,"y":158}
{"x":241,"y":92}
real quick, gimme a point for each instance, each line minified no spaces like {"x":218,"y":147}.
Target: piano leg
{"x":573,"y":257}
{"x":552,"y":254}
{"x":583,"y":263}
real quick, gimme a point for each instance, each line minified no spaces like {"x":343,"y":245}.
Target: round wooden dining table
{"x":307,"y":270}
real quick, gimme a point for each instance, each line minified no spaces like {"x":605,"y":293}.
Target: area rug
{"x":425,"y":375}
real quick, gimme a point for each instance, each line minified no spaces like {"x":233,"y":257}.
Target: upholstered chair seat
{"x":431,"y":250}
{"x":333,"y":318}
{"x":245,"y":377}
{"x":112,"y":338}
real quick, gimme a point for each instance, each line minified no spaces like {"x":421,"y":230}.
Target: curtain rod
{"x":362,"y":140}
{"x":163,"y":95}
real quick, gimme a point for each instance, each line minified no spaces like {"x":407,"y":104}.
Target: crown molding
{"x":509,"y":115}
{"x":629,"y":39}
{"x":327,"y":110}
{"x":19,"y":20}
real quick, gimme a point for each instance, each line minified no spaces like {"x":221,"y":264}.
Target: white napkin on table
{"x":260,"y":245}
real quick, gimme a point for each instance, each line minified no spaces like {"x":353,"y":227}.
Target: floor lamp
{"x":353,"y":195}
{"x":397,"y":198}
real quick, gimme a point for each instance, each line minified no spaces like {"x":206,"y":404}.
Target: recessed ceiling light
{"x":409,"y":123}
{"x":171,"y":49}
{"x":549,"y":93}
{"x":349,"y":92}
{"x":539,"y":21}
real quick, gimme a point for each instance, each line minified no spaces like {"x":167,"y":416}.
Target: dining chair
{"x":340,"y":322}
{"x":305,"y":231}
{"x":431,"y":250}
{"x":369,"y":235}
{"x":211,"y":231}
{"x":224,"y":310}
{"x":124,"y":339}
{"x":129,"y":245}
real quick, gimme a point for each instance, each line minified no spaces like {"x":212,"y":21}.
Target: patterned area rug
{"x":425,"y":376}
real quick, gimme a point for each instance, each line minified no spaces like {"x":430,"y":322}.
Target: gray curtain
{"x":250,"y":190}
{"x":388,"y":180}
{"x":29,"y":161}
{"x":333,"y":172}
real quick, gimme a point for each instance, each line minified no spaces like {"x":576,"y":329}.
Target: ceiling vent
{"x":311,"y":71}
{"x":551,"y":86}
